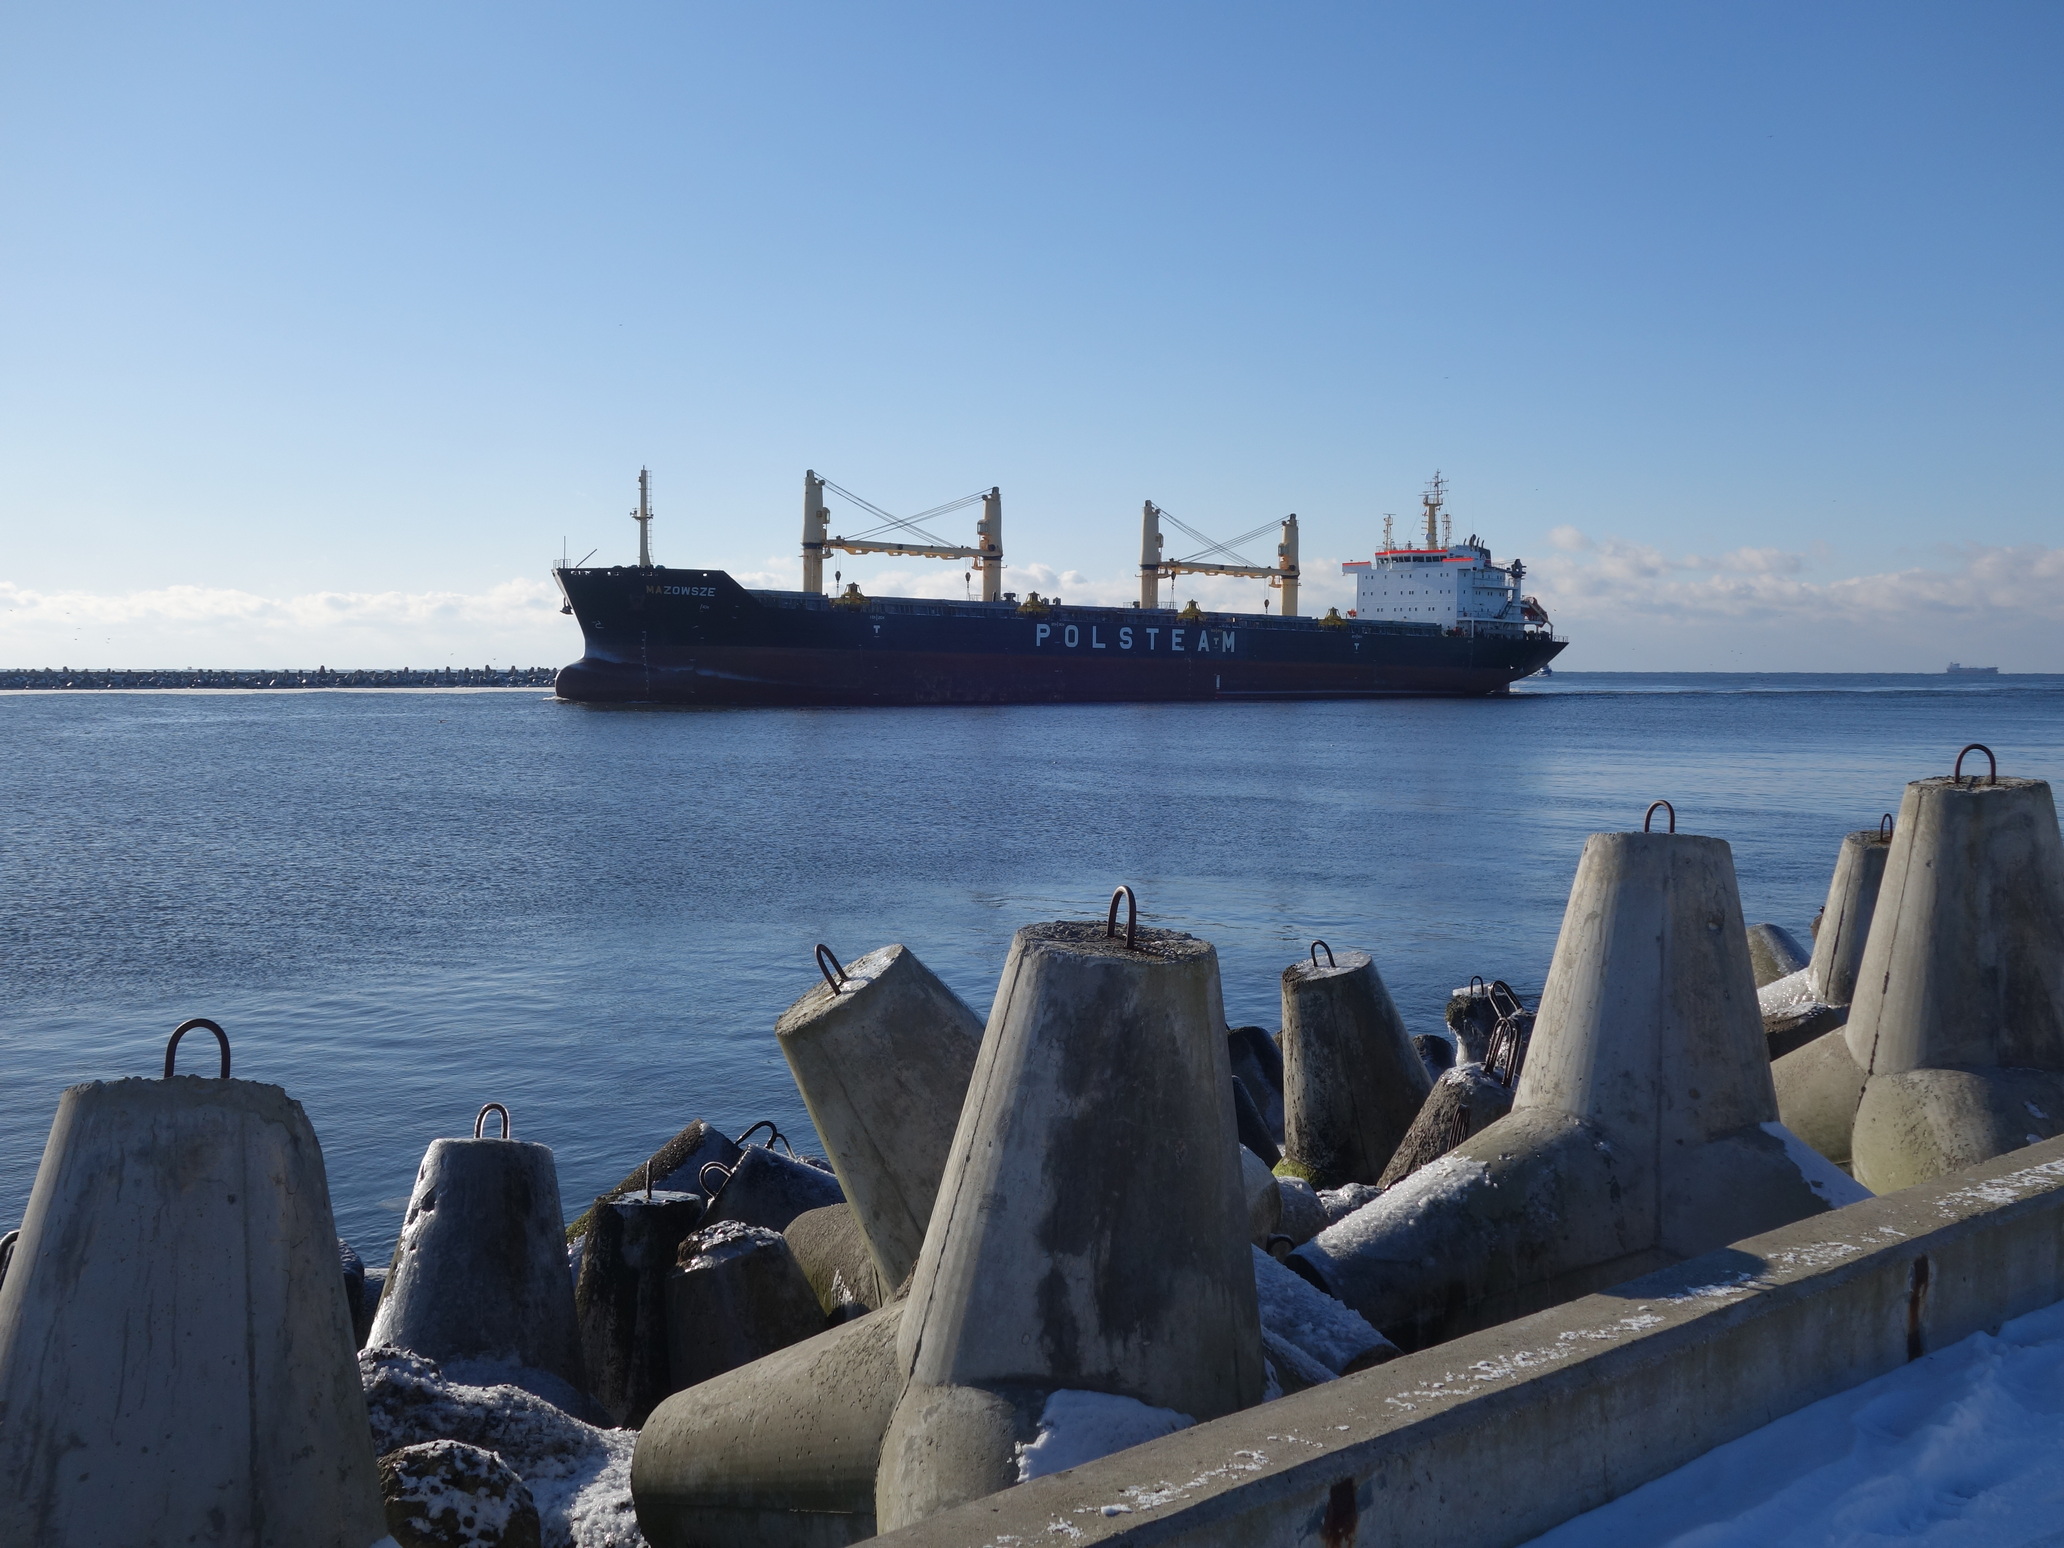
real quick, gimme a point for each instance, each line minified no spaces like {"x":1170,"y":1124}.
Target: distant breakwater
{"x":321,"y":677}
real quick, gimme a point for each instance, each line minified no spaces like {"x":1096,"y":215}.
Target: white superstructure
{"x":1454,"y":585}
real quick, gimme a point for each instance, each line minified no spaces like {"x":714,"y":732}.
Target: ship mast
{"x":643,"y":517}
{"x":1436,"y":491}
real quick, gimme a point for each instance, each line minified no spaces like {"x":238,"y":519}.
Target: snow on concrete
{"x":728,"y":1239}
{"x":1783,"y":995}
{"x":1343,"y":1201}
{"x":1077,"y":1427}
{"x":1301,"y":1314}
{"x":1963,"y":1448}
{"x":1827,"y":1180}
{"x":579,"y":1476}
{"x":1405,"y":1205}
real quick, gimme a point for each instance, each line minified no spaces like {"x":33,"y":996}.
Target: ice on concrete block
{"x":1301,"y":1314}
{"x":1784,"y":994}
{"x":1827,"y":1180}
{"x":1077,"y":1427}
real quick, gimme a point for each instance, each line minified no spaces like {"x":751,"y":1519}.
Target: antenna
{"x":643,"y":517}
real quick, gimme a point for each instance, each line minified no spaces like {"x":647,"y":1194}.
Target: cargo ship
{"x":1436,"y":619}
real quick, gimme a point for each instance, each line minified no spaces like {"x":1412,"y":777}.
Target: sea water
{"x":403,"y":905}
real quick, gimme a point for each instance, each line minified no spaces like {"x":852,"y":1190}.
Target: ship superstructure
{"x":1454,"y":585}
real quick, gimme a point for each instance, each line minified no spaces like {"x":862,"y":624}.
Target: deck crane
{"x":986,"y":555}
{"x":1282,"y":574}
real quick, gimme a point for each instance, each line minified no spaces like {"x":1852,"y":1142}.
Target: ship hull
{"x":695,"y":637}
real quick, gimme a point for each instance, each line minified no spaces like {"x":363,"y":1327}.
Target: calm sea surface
{"x":403,"y":905}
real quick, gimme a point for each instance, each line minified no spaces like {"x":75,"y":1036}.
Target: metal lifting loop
{"x":1885,"y":827}
{"x":702,"y":1178}
{"x":480,"y":1123}
{"x":1316,"y":948}
{"x":1511,"y":1006}
{"x":1131,"y":917}
{"x":774,"y":1136}
{"x":1648,"y":816}
{"x":184,"y":1027}
{"x":828,"y":964}
{"x":1992,"y":765}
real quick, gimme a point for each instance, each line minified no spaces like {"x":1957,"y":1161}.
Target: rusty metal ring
{"x":1315,"y":945}
{"x":702,"y":1178}
{"x":480,"y":1121}
{"x":828,"y":964}
{"x":1648,"y":816}
{"x":184,"y":1027}
{"x":1885,"y":827}
{"x":1131,"y":917}
{"x":1992,"y":763}
{"x":1500,"y":987}
{"x":1476,"y":983}
{"x":774,"y":1136}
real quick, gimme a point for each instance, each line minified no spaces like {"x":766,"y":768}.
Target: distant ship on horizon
{"x":1958,"y":669}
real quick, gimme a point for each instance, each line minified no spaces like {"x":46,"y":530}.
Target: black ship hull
{"x":663,"y":636}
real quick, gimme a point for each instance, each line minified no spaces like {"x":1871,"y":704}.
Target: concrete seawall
{"x":1489,"y":1440}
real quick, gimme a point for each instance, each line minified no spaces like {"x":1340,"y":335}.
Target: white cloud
{"x":518,"y":621}
{"x":1638,"y":606}
{"x":1625,"y":606}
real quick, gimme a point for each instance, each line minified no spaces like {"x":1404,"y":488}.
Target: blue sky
{"x":324,"y":325}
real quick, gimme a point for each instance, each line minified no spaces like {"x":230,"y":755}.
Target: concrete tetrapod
{"x":479,"y":1272}
{"x":768,"y":1189}
{"x":780,"y":1453}
{"x":1104,"y":1059}
{"x":675,"y":1167}
{"x":1845,"y":919}
{"x":1774,"y":953}
{"x":1643,"y":1128}
{"x":1257,"y":1062}
{"x":1815,"y":1000}
{"x":882,"y":1053}
{"x":175,"y":1350}
{"x":620,"y":1299}
{"x":831,"y":1250}
{"x":737,"y":1295}
{"x":1954,"y":1051}
{"x":1352,"y":1081}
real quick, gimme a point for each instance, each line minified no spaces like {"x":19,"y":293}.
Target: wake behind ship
{"x":1441,"y":619}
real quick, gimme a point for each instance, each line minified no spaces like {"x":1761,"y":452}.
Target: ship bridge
{"x":1454,"y":585}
